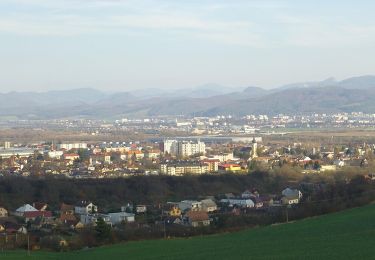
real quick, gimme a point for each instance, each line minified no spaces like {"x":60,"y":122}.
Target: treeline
{"x":110,"y":194}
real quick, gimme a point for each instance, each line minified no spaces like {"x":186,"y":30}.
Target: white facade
{"x":168,"y":146}
{"x":288,"y":192}
{"x":55,"y":154}
{"x":209,"y":205}
{"x":184,"y":148}
{"x":70,"y":146}
{"x":245,"y":203}
{"x":189,"y":205}
{"x":223,"y":157}
{"x":85,"y":209}
{"x":91,"y":219}
{"x":118,"y":217}
{"x":24,"y":208}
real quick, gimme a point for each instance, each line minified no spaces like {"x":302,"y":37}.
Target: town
{"x":302,"y":174}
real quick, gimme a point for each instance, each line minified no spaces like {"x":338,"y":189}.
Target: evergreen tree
{"x":103,"y":230}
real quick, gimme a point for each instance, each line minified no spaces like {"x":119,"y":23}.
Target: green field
{"x":344,"y":235}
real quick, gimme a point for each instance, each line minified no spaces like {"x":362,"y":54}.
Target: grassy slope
{"x":345,"y":235}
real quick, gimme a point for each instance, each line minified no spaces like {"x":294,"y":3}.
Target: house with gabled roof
{"x":85,"y":207}
{"x":23,"y":209}
{"x":197,"y":218}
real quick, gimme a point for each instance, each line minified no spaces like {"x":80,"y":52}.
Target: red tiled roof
{"x":34,"y":214}
{"x":71,"y":155}
{"x":66,"y":207}
{"x":197,"y":215}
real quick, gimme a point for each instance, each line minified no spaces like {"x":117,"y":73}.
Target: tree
{"x":316,"y":165}
{"x":102,"y":229}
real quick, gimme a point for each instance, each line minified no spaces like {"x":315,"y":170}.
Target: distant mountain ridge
{"x":352,"y":94}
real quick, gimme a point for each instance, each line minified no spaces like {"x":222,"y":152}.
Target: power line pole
{"x":287,"y":216}
{"x":28,"y":244}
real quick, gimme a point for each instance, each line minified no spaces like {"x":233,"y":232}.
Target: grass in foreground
{"x":344,"y":235}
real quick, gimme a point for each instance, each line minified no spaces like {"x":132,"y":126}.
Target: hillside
{"x":328,"y":96}
{"x":344,"y":235}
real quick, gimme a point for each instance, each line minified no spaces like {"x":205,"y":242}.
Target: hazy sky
{"x":126,"y":44}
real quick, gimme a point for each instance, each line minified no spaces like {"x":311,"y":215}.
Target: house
{"x":246,"y":194}
{"x":40,"y":206}
{"x":85,"y":207}
{"x":242,"y":203}
{"x":67,"y":214}
{"x":66,"y":209}
{"x":12,"y":228}
{"x":290,"y":196}
{"x":173,"y":210}
{"x":33,"y":215}
{"x":119,"y":217}
{"x":100,"y":158}
{"x":213,"y":164}
{"x":229,"y":167}
{"x":288,"y":192}
{"x":289,"y":200}
{"x":197,"y":218}
{"x":152,"y":154}
{"x":190,"y":205}
{"x":208,"y":205}
{"x":258,"y":202}
{"x":3,"y":212}
{"x":91,"y":219}
{"x":267,"y":200}
{"x":173,"y":220}
{"x":70,"y":156}
{"x":141,"y":209}
{"x":20,"y":212}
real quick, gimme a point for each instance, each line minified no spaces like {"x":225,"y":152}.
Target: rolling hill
{"x":350,"y":95}
{"x":344,"y":235}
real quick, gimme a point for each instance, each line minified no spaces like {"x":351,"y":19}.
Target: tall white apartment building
{"x":184,"y":148}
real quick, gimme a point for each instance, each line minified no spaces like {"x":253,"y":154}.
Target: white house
{"x":91,"y":219}
{"x":291,"y":196}
{"x":208,"y":205}
{"x":55,"y":154}
{"x":20,"y":212}
{"x":288,"y":192}
{"x":85,"y":207}
{"x":118,"y":217}
{"x":243,"y":203}
{"x":189,"y":205}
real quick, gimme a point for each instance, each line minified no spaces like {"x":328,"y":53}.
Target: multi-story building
{"x":182,"y":168}
{"x":184,"y":148}
{"x":70,"y":146}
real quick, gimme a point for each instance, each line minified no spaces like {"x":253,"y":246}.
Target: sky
{"x":120,"y":45}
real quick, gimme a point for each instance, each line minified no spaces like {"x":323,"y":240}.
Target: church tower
{"x":254,"y":147}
